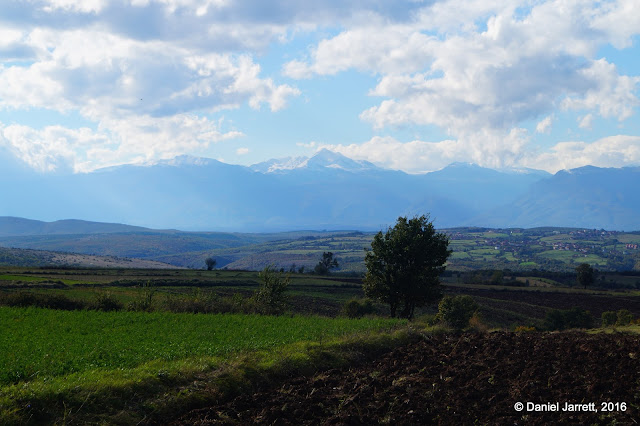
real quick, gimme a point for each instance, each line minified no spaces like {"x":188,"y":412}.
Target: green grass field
{"x":39,"y":343}
{"x":86,"y":366}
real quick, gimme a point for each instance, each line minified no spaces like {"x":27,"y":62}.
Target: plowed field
{"x":457,"y":380}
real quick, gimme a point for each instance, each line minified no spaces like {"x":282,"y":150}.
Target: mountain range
{"x":326,"y":191}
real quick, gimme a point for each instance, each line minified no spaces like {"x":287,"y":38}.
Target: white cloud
{"x":620,"y":20}
{"x":544,"y":126}
{"x":389,"y":49}
{"x":496,"y":150}
{"x":116,"y":141}
{"x":108,"y":75}
{"x":610,"y":94}
{"x":145,"y":72}
{"x":477,"y":68}
{"x":311,"y":144}
{"x":612,"y":151}
{"x":242,"y":151}
{"x":84,"y":6}
{"x":50,"y":149}
{"x":586,"y":122}
{"x":144,"y":97}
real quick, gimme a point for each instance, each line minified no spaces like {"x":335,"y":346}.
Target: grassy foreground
{"x":112,"y":367}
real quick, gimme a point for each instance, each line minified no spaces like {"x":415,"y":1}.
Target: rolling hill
{"x":42,"y":258}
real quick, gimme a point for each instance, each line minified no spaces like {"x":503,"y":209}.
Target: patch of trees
{"x":327,"y":263}
{"x":456,"y":311}
{"x":355,"y":308}
{"x":503,"y":277}
{"x":559,"y":319}
{"x":621,"y":318}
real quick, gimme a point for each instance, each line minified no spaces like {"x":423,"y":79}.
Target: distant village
{"x":521,"y":242}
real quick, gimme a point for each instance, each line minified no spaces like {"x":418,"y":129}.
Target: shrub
{"x":525,"y":329}
{"x":270,"y":298}
{"x":624,"y":317}
{"x":106,"y":302}
{"x":457,"y":311}
{"x":609,"y":318}
{"x":356,"y":309}
{"x":49,"y":301}
{"x":576,"y":317}
{"x":477,"y":324}
{"x":145,"y":300}
{"x":554,"y":320}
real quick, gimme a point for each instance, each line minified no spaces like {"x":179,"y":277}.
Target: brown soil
{"x":595,"y":303}
{"x":456,"y":380}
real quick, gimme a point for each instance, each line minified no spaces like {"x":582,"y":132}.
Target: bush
{"x":356,"y":309}
{"x":106,"y":302}
{"x":145,"y":300}
{"x":270,"y":298}
{"x":49,"y":301}
{"x":557,"y":319}
{"x":476,"y":323}
{"x":525,"y":329}
{"x":624,"y":317}
{"x":609,"y":318}
{"x":457,"y":311}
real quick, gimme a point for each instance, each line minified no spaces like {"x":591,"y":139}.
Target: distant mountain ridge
{"x":325,"y":191}
{"x":17,"y":226}
{"x":588,"y":197}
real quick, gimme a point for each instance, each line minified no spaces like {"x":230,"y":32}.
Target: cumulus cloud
{"x":108,"y":74}
{"x":544,"y":126}
{"x":496,"y":150}
{"x":145,"y":97}
{"x":372,"y":49}
{"x":116,"y":141}
{"x":150,"y":74}
{"x":472,"y":67}
{"x":50,"y":149}
{"x":612,"y":151}
{"x":242,"y":151}
{"x":586,"y":122}
{"x":612,"y":95}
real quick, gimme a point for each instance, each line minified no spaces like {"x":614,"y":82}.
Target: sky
{"x":407,"y":84}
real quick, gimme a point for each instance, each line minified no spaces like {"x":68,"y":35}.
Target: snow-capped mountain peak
{"x":322,"y":159}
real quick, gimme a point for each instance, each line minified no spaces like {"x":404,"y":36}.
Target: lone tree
{"x":404,"y":265}
{"x":327,"y":262}
{"x":586,"y":275}
{"x":210,"y":262}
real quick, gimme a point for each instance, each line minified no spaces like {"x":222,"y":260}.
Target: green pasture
{"x":510,"y":257}
{"x":460,"y":255}
{"x":539,"y":282}
{"x":484,"y":251}
{"x":629,"y":238}
{"x":35,"y":279}
{"x":490,"y":234}
{"x":38,"y":343}
{"x":568,"y":255}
